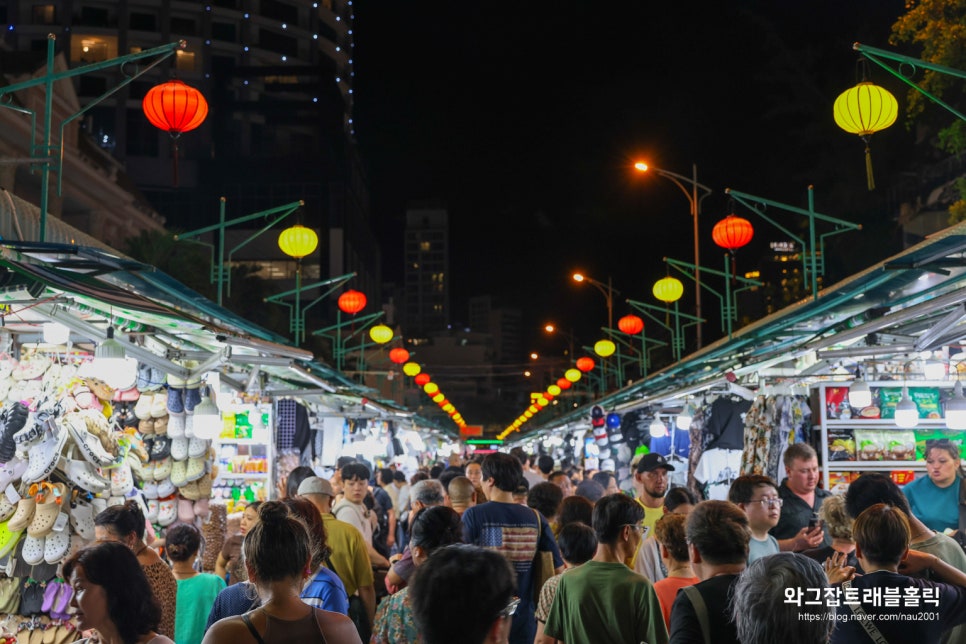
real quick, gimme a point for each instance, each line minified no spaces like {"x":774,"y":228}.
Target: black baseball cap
{"x":651,"y":462}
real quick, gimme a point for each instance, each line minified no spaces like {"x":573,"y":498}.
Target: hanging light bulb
{"x":934,"y":370}
{"x":956,"y":408}
{"x":55,"y":333}
{"x":907,"y":414}
{"x":685,"y":417}
{"x":657,"y":428}
{"x":207,"y":419}
{"x":110,"y":363}
{"x":860,"y":396}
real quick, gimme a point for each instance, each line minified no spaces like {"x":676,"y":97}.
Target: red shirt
{"x":667,"y":589}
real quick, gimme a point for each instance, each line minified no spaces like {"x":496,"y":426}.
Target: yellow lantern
{"x":380,"y":334}
{"x":298,"y":241}
{"x":542,"y":402}
{"x":864,"y":110}
{"x":533,"y":409}
{"x":528,"y":414}
{"x":553,"y":390}
{"x":605,"y":348}
{"x":431,"y":388}
{"x":411,"y":369}
{"x":438,"y":398}
{"x":573,"y":375}
{"x":448,"y":407}
{"x":668,"y":289}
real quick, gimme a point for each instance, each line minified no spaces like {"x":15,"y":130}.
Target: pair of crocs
{"x":57,"y":597}
{"x":122,"y":481}
{"x":82,"y":474}
{"x":13,"y":417}
{"x":90,"y":446}
{"x":42,"y":457}
{"x":167,"y":511}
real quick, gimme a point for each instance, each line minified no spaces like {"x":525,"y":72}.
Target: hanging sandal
{"x":49,"y":501}
{"x":50,"y":594}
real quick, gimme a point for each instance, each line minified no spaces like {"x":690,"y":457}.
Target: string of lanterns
{"x":422,"y":379}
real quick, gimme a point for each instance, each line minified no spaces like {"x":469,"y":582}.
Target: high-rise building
{"x":277,"y":76}
{"x":426,"y":305}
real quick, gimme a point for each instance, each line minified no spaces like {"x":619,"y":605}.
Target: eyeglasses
{"x":769,"y":502}
{"x":637,"y":526}
{"x":511,"y":608}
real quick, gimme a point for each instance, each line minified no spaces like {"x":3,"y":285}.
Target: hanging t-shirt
{"x":726,"y":427}
{"x":716,"y":470}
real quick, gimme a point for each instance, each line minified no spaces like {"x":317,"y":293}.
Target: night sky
{"x":524,"y":120}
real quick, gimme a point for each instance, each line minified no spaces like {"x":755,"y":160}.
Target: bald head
{"x":461,"y":492}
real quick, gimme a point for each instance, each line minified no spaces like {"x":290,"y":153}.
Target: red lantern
{"x":421,"y":379}
{"x":352,"y":302}
{"x":398,"y":355}
{"x":563,"y":383}
{"x":732,"y":232}
{"x":630,"y":324}
{"x":585,"y":364}
{"x":443,"y":403}
{"x":175,"y":107}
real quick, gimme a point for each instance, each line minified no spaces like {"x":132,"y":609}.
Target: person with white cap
{"x":349,"y":558}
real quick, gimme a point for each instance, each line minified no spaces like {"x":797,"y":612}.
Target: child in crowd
{"x":757,"y":496}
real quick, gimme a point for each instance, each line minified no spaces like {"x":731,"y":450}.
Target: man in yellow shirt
{"x":651,"y":484}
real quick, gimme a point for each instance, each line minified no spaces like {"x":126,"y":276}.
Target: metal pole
{"x":695,"y":211}
{"x":221,"y":249}
{"x":610,"y":303}
{"x":299,"y":324}
{"x":727,"y":306}
{"x":811,"y":237}
{"x":48,"y":115}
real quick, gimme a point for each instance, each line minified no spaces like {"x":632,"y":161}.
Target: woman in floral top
{"x":433,"y":528}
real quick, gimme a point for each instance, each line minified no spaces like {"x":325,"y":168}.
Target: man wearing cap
{"x":650,"y":486}
{"x":349,"y":558}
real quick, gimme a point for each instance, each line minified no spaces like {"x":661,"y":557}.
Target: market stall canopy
{"x":914,"y":301}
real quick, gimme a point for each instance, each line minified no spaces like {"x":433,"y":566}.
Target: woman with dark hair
{"x":278,"y":553}
{"x":433,"y":528}
{"x":112,"y":596}
{"x":934,"y":499}
{"x":196,"y":591}
{"x":574,"y":509}
{"x":324,"y":589}
{"x":125,"y":524}
{"x":228,"y":566}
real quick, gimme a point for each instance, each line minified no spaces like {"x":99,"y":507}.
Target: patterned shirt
{"x":394,"y":621}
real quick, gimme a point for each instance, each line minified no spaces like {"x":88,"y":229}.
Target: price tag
{"x":60,"y":523}
{"x":12,"y":495}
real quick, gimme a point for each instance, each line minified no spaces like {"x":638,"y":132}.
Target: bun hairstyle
{"x":278,"y":546}
{"x":436,"y":527}
{"x":122,"y":520}
{"x":183,"y":542}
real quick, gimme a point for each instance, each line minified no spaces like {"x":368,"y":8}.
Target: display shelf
{"x":862,"y":466}
{"x":882,"y":423}
{"x":249,"y":476}
{"x":856,"y":422}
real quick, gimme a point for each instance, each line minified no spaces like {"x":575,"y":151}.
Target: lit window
{"x":424,"y":246}
{"x":184,"y":61}
{"x":92,"y":49}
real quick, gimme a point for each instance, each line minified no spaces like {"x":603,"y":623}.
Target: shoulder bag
{"x":542,"y":563}
{"x":864,"y":620}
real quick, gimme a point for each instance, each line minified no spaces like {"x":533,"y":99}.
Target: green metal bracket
{"x":729,"y":299}
{"x":221,"y":276}
{"x":43,"y":153}
{"x":297,"y":312}
{"x":875,"y":54}
{"x":810,"y":261}
{"x":676,"y":331}
{"x":339,"y":341}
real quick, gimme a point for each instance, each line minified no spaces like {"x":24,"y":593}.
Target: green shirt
{"x":604,"y":603}
{"x":196,"y":596}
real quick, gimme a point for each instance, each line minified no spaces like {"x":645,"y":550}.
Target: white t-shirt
{"x":718,"y":468}
{"x":355,"y":514}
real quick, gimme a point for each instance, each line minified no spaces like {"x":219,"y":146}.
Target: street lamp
{"x":552,"y":328}
{"x":695,"y":200}
{"x":606,"y":289}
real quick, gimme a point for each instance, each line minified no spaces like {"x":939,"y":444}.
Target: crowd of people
{"x":508,"y":548}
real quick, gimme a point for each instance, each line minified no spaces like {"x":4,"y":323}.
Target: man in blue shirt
{"x":515,"y":531}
